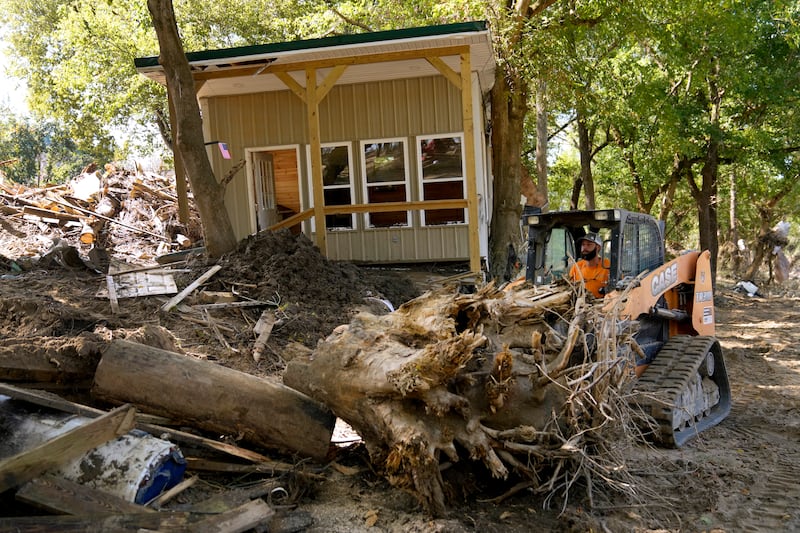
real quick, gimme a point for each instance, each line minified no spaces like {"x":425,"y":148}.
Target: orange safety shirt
{"x":594,"y":277}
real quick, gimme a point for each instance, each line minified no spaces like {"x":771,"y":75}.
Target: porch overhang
{"x":385,"y":55}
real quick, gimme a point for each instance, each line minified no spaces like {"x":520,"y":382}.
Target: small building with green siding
{"x":375,"y":145}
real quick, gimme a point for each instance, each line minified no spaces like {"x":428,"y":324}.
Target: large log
{"x":211,"y":397}
{"x":50,"y":359}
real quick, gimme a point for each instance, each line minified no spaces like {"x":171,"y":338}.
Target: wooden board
{"x":170,"y":305}
{"x":243,"y":518}
{"x":27,"y":465}
{"x":137,"y":284}
{"x":61,"y":496}
{"x":53,"y":401}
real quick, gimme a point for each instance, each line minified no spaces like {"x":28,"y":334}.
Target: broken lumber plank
{"x":263,"y":329}
{"x":217,"y":297}
{"x":164,"y":497}
{"x":179,"y":256}
{"x":249,"y":303}
{"x":133,"y":522}
{"x":46,"y":213}
{"x":55,"y":402}
{"x":271,"y":468}
{"x":178,"y":298}
{"x":57,"y":495}
{"x":112,"y":294}
{"x":139,"y":188}
{"x":242,"y":518}
{"x":214,"y":398}
{"x":27,"y":465}
{"x":230,"y":499}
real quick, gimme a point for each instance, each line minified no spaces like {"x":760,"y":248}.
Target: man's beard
{"x":589,"y":255}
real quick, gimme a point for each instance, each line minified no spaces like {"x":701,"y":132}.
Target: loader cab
{"x":632,"y":242}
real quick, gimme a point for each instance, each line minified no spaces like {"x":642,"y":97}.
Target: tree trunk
{"x":705,"y":195}
{"x":541,"y":143}
{"x":211,"y":397}
{"x":733,"y":234}
{"x":509,"y":106}
{"x":188,"y":137}
{"x":51,"y":360}
{"x":680,"y":165}
{"x":585,"y":149}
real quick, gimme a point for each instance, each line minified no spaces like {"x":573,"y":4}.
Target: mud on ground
{"x":739,"y":476}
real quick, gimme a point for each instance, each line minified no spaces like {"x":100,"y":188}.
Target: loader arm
{"x":669,"y":284}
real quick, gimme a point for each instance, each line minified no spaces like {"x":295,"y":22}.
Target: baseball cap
{"x":592,"y":237}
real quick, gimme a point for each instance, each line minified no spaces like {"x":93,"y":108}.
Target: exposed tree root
{"x":523,"y":380}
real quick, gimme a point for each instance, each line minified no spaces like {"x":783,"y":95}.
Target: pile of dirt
{"x":309,"y":294}
{"x":312,"y":293}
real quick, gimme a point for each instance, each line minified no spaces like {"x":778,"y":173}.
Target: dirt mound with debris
{"x":48,"y":253}
{"x":312,"y":293}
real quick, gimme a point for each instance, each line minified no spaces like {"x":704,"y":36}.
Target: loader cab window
{"x":642,"y":248}
{"x":559,"y":253}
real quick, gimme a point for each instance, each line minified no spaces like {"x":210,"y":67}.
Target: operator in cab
{"x":591,"y":268}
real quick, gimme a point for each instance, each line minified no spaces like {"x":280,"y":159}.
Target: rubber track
{"x":669,"y":374}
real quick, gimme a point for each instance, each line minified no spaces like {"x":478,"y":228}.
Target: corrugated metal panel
{"x":394,"y":108}
{"x":399,"y":245}
{"x":349,"y":113}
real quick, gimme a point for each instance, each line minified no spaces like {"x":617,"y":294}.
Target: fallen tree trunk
{"x":499,"y":377}
{"x":53,"y":360}
{"x":211,"y":397}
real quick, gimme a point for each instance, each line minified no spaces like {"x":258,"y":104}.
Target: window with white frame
{"x":441,"y":173}
{"x":385,"y":169}
{"x":337,"y":183}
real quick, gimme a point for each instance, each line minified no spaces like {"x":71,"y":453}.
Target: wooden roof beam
{"x":333,"y":62}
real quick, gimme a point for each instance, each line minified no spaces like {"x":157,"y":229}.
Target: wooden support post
{"x":312,"y":111}
{"x":469,"y":156}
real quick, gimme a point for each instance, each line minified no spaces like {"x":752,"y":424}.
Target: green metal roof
{"x":325,"y":42}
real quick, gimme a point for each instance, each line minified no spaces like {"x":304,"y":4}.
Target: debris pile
{"x":130,"y":216}
{"x":83,"y":284}
{"x":255,"y":354}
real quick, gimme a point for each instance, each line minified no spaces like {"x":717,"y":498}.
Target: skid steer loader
{"x":680,"y":366}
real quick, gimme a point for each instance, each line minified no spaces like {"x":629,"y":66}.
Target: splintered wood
{"x":508,"y":377}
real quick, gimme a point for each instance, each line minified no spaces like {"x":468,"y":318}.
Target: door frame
{"x":252,"y":200}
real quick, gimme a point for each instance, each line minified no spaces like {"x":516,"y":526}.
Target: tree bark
{"x":188,"y":137}
{"x":585,"y":150}
{"x":705,"y":195}
{"x":211,"y":397}
{"x":509,"y":106}
{"x":541,"y":144}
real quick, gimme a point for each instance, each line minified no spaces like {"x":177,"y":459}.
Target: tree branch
{"x":349,"y":20}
